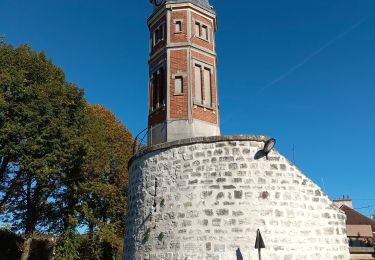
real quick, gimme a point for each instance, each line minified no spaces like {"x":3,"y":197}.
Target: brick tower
{"x":183,"y":98}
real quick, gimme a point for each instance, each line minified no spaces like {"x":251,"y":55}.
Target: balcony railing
{"x":362,"y":250}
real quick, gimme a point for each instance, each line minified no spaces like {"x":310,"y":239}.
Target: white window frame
{"x":178,"y":22}
{"x":196,"y":100}
{"x":178,"y":92}
{"x":207,"y":86}
{"x":203,"y":102}
{"x":204,"y":28}
{"x":199,"y":34}
{"x":160,"y":38}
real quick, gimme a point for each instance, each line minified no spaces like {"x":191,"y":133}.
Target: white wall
{"x":212,"y":197}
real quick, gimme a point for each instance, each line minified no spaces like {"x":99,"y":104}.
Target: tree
{"x":41,"y":122}
{"x":68,"y":246}
{"x":108,"y":146}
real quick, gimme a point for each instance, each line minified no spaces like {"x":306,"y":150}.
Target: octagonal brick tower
{"x":183,"y":98}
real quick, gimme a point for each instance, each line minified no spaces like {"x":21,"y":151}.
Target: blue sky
{"x":300,"y":71}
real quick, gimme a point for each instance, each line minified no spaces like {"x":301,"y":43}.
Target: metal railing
{"x":140,"y":141}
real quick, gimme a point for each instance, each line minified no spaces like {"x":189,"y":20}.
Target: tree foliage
{"x":104,"y":192}
{"x":39,"y":136}
{"x":68,"y":246}
{"x":63,"y":163}
{"x":42,"y":118}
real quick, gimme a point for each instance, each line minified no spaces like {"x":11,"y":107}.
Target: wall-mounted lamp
{"x":268,"y":146}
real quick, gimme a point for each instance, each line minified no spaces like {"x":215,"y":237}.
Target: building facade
{"x":360,"y":231}
{"x":183,"y":96}
{"x":195,"y":195}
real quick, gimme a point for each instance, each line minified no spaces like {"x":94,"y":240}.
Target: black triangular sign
{"x":259,"y":243}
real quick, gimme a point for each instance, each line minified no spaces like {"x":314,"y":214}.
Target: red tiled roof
{"x":355,"y":218}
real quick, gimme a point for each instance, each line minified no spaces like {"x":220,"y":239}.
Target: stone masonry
{"x":205,"y":198}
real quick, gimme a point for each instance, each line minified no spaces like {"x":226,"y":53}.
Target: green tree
{"x":41,"y":122}
{"x":108,"y":146}
{"x":68,"y":246}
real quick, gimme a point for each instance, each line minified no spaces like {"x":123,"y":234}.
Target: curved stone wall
{"x":205,"y":198}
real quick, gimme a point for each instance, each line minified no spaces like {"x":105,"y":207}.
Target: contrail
{"x":315,"y":53}
{"x":305,"y":60}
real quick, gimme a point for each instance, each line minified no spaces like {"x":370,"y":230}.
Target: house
{"x":360,"y":231}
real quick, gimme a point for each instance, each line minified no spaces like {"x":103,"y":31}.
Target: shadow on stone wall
{"x":239,"y":254}
{"x":260,"y":154}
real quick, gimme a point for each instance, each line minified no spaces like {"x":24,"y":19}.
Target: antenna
{"x":369,"y":208}
{"x":293,"y":149}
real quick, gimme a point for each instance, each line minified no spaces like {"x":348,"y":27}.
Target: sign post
{"x":259,"y":244}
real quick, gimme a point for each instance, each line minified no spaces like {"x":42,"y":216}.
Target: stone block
{"x":238,"y":194}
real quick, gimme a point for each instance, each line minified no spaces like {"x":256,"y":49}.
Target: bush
{"x":11,"y":244}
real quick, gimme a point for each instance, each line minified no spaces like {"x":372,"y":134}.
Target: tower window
{"x":156,"y":36}
{"x":197,"y":29}
{"x":178,"y":85}
{"x":203,"y":85}
{"x":198,"y":84}
{"x":178,"y":26}
{"x":204,"y":32}
{"x":158,"y":89}
{"x":207,"y":87}
{"x":159,"y":34}
{"x":201,"y":31}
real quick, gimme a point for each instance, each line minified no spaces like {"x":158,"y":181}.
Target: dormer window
{"x":159,"y":33}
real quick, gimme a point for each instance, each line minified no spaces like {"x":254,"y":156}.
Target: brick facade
{"x":202,"y":43}
{"x":179,"y":36}
{"x":162,"y":44}
{"x":181,"y":50}
{"x":179,"y":67}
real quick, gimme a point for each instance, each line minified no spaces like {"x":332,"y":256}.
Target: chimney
{"x":344,"y":201}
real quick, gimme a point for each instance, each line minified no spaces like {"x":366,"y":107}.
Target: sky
{"x":302,"y":72}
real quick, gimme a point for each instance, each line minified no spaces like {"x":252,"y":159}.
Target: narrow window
{"x":204,"y":32}
{"x":159,"y":34}
{"x":197,"y":29}
{"x":161,"y":37}
{"x":161,"y":98}
{"x":158,"y":89}
{"x":178,"y":85}
{"x":198,"y":84}
{"x":155,"y":37}
{"x":207,"y":87}
{"x":154,"y":90}
{"x":178,"y":26}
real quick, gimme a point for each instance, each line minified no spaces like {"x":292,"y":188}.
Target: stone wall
{"x":205,"y":198}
